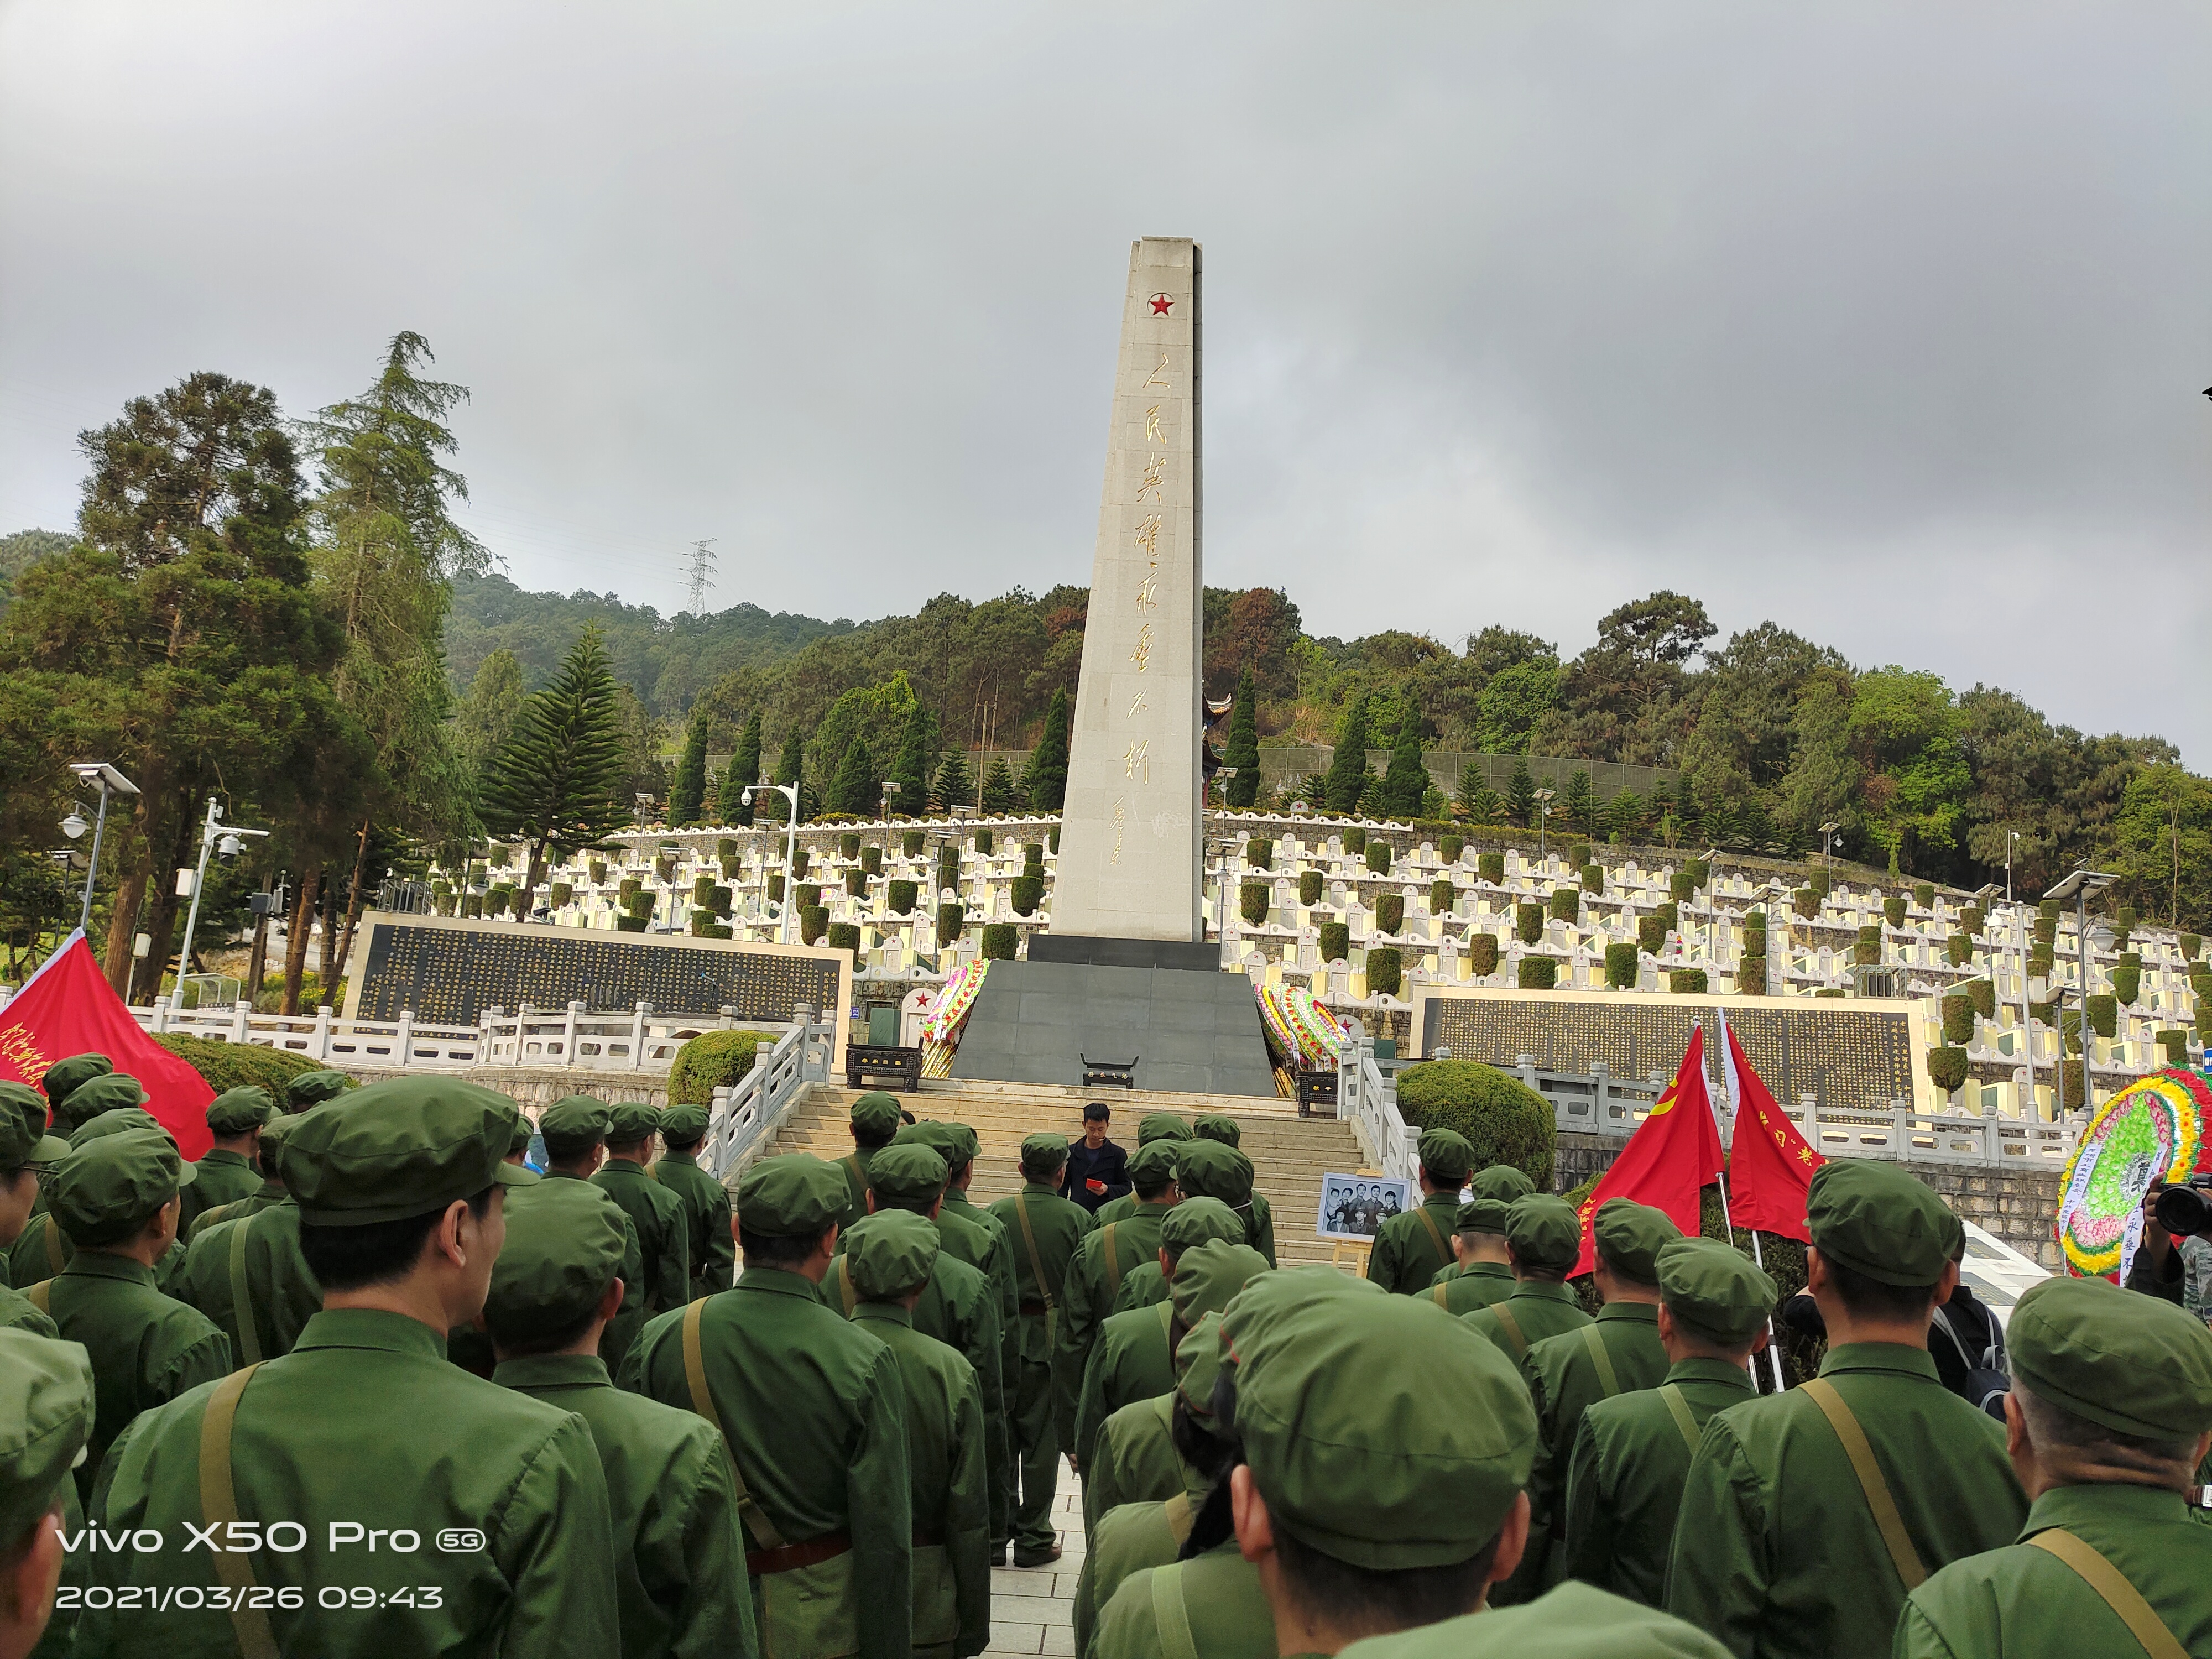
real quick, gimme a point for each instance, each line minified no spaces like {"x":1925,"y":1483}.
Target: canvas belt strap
{"x":1176,"y":1513}
{"x":219,"y":1508}
{"x":1678,"y":1408}
{"x":1886,"y":1519}
{"x":41,"y":1296}
{"x":1437,"y":1294}
{"x":2108,"y":1581}
{"x":846,"y":1293}
{"x":1608,"y":1378}
{"x":789,"y":1558}
{"x":1436,"y":1235}
{"x":764,"y":1530}
{"x":1512,"y":1328}
{"x":55,"y":1260}
{"x":1036,"y":1265}
{"x":1170,"y":1618}
{"x":241,"y":1300}
{"x":1113,"y":1263}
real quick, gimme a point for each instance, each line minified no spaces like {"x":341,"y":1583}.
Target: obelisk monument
{"x":1130,"y":862}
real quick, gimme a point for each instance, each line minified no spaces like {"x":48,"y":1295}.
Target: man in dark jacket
{"x":1097,"y":1170}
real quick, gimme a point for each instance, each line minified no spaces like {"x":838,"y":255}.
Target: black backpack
{"x":1987,"y":1377}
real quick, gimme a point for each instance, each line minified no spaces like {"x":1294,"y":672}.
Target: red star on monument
{"x":1162,"y":303}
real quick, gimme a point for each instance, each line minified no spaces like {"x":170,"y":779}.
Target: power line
{"x":698,"y":571}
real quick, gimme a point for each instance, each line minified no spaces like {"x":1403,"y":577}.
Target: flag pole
{"x":1758,"y":1256}
{"x":1773,"y":1342}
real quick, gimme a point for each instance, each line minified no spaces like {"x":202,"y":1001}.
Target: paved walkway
{"x":1033,"y":1609}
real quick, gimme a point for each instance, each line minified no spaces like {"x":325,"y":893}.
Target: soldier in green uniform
{"x":63,"y":1078}
{"x":230,"y":1168}
{"x":664,"y":1231}
{"x":575,"y":1129}
{"x":1109,"y":1253}
{"x":311,"y":1089}
{"x":1620,"y":1353}
{"x":1479,"y":1244}
{"x":433,"y":1512}
{"x":26,"y":1148}
{"x":1410,"y":1250}
{"x":1154,"y":1126}
{"x":2111,"y":1402}
{"x":45,"y":1418}
{"x":1543,"y":1236}
{"x":1134,"y":1359}
{"x":1574,"y":1621}
{"x":1624,"y":1477}
{"x":679,"y":1558}
{"x":1194,"y":1221}
{"x":1209,"y":1169}
{"x":711,"y":1245}
{"x":269,"y":1193}
{"x":469,"y":1346}
{"x":248,"y":1273}
{"x":890,"y":1254}
{"x":813,"y":1410}
{"x":1046,"y":1230}
{"x":1259,"y":1215}
{"x":115,"y":1199}
{"x":109,"y":1091}
{"x":875,"y":1123}
{"x":1806,"y":1516}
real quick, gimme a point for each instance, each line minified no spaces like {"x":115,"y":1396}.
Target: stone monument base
{"x":1188,"y":1030}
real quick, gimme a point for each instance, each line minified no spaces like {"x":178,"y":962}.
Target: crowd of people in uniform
{"x":361,"y":1382}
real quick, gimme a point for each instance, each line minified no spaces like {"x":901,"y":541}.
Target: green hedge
{"x":1805,"y":902}
{"x":856,"y":882}
{"x":1923,"y":895}
{"x":1566,"y":903}
{"x":1451,"y":848}
{"x":1538,"y":973}
{"x":1254,"y":898}
{"x":1893,"y":909}
{"x":1679,"y":886}
{"x":1958,"y":1019}
{"x":1482,"y":952}
{"x":1751,"y":973}
{"x":775,"y":888}
{"x":560,"y":894}
{"x":2176,"y":1045}
{"x":845,"y":936}
{"x":1620,"y":965}
{"x":1593,"y":879}
{"x":1028,"y":892}
{"x":1378,"y":857}
{"x":1529,"y":923}
{"x":2191,"y":945}
{"x":1001,"y":939}
{"x":911,"y":842}
{"x":951,"y":918}
{"x":813,"y":922}
{"x":1355,"y":840}
{"x":1650,"y":934}
{"x":1490,"y":867}
{"x":2040,"y":961}
{"x":848,"y":847}
{"x":1670,"y":916}
{"x":799,"y":858}
{"x":1443,"y":896}
{"x":1309,"y":885}
{"x":664,"y":870}
{"x":1971,"y":920}
{"x":1390,"y":913}
{"x":1983,"y":995}
{"x":948,"y":867}
{"x":1382,"y":971}
{"x":226,"y":1066}
{"x":1867,"y":951}
{"x":629,"y":924}
{"x":497,"y":900}
{"x":700,"y":886}
{"x":640,"y":904}
{"x":2104,"y":1014}
{"x":1335,"y":941}
{"x":1033,"y":858}
{"x":901,"y":896}
{"x":1959,"y":950}
{"x":2127,"y":983}
{"x":809,"y":895}
{"x":1701,"y":870}
{"x":598,"y":872}
{"x":984,"y":842}
{"x":871,"y":860}
{"x":1947,"y":1069}
{"x":1260,"y":854}
{"x":1687,"y":981}
{"x":1821,"y":883}
{"x":1503,"y":1119}
{"x":1052,"y":840}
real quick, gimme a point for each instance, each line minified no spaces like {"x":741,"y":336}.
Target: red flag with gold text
{"x":1675,"y":1152}
{"x":1770,"y":1164}
{"x":67,"y":1008}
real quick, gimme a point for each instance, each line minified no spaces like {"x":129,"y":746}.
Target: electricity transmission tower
{"x":698,"y":574}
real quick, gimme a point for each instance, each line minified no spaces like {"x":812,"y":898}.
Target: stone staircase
{"x":1289,"y":1153}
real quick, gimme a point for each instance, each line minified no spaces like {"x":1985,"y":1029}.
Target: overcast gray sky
{"x":1886,"y":322}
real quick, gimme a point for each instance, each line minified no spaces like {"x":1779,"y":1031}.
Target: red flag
{"x":1675,"y":1151}
{"x":68,"y":1008}
{"x":1771,"y":1166}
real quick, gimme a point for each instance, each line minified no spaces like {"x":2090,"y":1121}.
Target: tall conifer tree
{"x":1243,"y":750}
{"x":1046,"y":777}
{"x":554,"y":785}
{"x":743,"y":773}
{"x":1347,"y":770}
{"x":1407,"y":780}
{"x":687,"y":797}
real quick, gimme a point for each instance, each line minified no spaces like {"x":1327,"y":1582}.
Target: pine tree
{"x":1407,"y":780}
{"x":1347,"y":771}
{"x":1000,"y":793}
{"x":790,"y":768}
{"x":1242,"y":752}
{"x":488,"y":708}
{"x":1578,"y":802}
{"x":743,"y":773}
{"x":554,"y":785}
{"x":1046,"y":777}
{"x":855,"y":787}
{"x":687,"y":799}
{"x":911,"y":770}
{"x":955,"y":784}
{"x":1521,"y":792}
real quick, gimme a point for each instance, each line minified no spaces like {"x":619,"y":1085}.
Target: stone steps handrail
{"x":746,"y":1115}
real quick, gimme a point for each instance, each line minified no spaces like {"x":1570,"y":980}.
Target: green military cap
{"x":1043,"y":1151}
{"x":684,"y":1124}
{"x":908,"y":1174}
{"x":108,"y":1092}
{"x":794,"y":1196}
{"x":2135,"y":1363}
{"x":632,"y":1120}
{"x":45,"y":1418}
{"x":23,"y":1137}
{"x":1197,"y":1359}
{"x":1445,"y":1155}
{"x":1206,"y":1169}
{"x":1197,"y":1220}
{"x":313,"y":1088}
{"x":971,"y":1143}
{"x":572,"y":1124}
{"x":234,"y":1111}
{"x":1876,"y":1219}
{"x":65,"y":1076}
{"x":876,"y":1114}
{"x":1211,"y":1126}
{"x":1154,"y":1165}
{"x":1713,"y":1292}
{"x":1208,"y":1275}
{"x":517,"y":1139}
{"x":564,"y":1247}
{"x":890,"y":1253}
{"x":104,"y":1190}
{"x":1378,"y":1434}
{"x":1544,"y":1231}
{"x":114,"y":1123}
{"x":942,"y":1138}
{"x":274,"y":1131}
{"x":1630,"y":1237}
{"x":1502,"y":1181}
{"x":1160,"y":1126}
{"x":404,"y":1147}
{"x":1481,"y":1215}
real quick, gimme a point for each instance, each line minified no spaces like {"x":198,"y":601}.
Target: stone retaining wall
{"x":537,"y":1087}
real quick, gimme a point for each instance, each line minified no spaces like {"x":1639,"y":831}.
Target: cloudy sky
{"x":1888,"y":322}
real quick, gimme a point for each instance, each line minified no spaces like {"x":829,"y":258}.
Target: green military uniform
{"x":572,"y":1126}
{"x":311,"y":1089}
{"x":663,"y":1229}
{"x":24,"y":1142}
{"x":710,"y":1245}
{"x":19,"y":1313}
{"x":678,"y":1553}
{"x":891,"y":1254}
{"x":1194,"y":1221}
{"x":1623,"y":1481}
{"x":813,"y":1410}
{"x":1215,"y":1169}
{"x":46,"y":1411}
{"x":1410,"y":1250}
{"x":1045,"y":1230}
{"x":225,"y":1177}
{"x":1109,"y":1253}
{"x":269,"y":1193}
{"x":65,"y":1076}
{"x":1572,"y":1622}
{"x":1493,"y":1192}
{"x":2117,"y":1361}
{"x":364,"y":1424}
{"x":1153,"y":1126}
{"x":1135,"y":1356}
{"x":1620,"y":1353}
{"x":250,"y":1277}
{"x":1777,"y":1548}
{"x":110,"y":1092}
{"x":876,"y":1118}
{"x":1546,"y":1236}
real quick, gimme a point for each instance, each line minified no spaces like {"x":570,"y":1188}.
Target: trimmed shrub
{"x":1833,"y":995}
{"x":1482,"y":952}
{"x":725,"y":847}
{"x":1355,"y":840}
{"x":561,"y":893}
{"x":1751,"y":973}
{"x":901,"y":897}
{"x":1529,"y":923}
{"x":813,"y":922}
{"x":1867,"y":952}
{"x":1973,"y":920}
{"x":1253,"y":901}
{"x":856,"y":882}
{"x":1390,"y":913}
{"x":799,"y":859}
{"x":1310,"y":887}
{"x":1701,"y":870}
{"x":1893,"y":910}
{"x":948,"y":868}
{"x":1670,"y":916}
{"x":2175,"y":1042}
{"x":2125,"y":920}
{"x":1579,"y":853}
{"x":664,"y":870}
{"x":775,"y":888}
{"x":1443,"y":896}
{"x":1959,"y":950}
{"x":2104,"y":1014}
{"x":1491,"y":867}
{"x":226,"y":1066}
{"x":1000,"y":941}
{"x":1052,"y":840}
{"x":1805,"y":902}
{"x":912,"y":842}
{"x":1566,"y":903}
{"x":2127,"y":983}
{"x":1538,"y":973}
{"x":1378,"y":857}
{"x":1450,"y":847}
{"x":1501,"y":1118}
{"x":1593,"y":879}
{"x":1650,"y":934}
{"x":1382,"y":971}
{"x":628,"y":891}
{"x":809,"y":895}
{"x":1983,"y":995}
{"x":1335,"y":941}
{"x":845,"y":936}
{"x":718,"y":901}
{"x":951,"y":918}
{"x":2191,"y":945}
{"x":1679,"y":886}
{"x":497,"y":900}
{"x":629,"y":924}
{"x":1821,"y":883}
{"x":1687,"y":981}
{"x":1033,"y":858}
{"x":730,"y":865}
{"x":984,"y":843}
{"x":499,"y":855}
{"x":700,"y":886}
{"x":598,"y":872}
{"x":701,"y":921}
{"x":1620,"y":965}
{"x":1028,"y":891}
{"x":711,"y":1061}
{"x":1923,"y":895}
{"x":2040,"y":962}
{"x":848,"y":847}
{"x":1947,"y":1069}
{"x":1958,"y":1019}
{"x":871,"y":860}
{"x":1259,"y":854}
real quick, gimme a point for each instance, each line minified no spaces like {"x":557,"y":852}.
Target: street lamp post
{"x":110,"y":781}
{"x":1544,"y":799}
{"x":890,"y":788}
{"x":231,"y":847}
{"x":671,"y":852}
{"x":1828,"y":847}
{"x":790,"y":793}
{"x":2078,"y":886}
